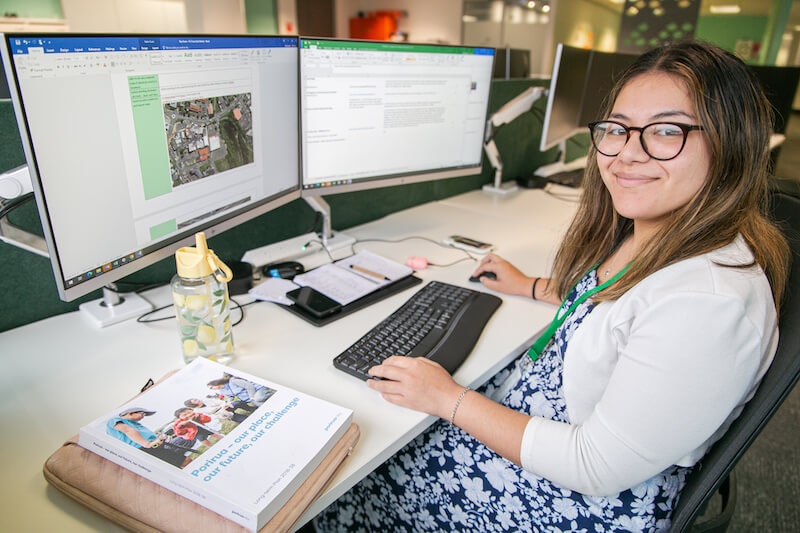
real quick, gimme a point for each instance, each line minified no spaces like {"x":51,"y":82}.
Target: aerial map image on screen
{"x":206,"y":136}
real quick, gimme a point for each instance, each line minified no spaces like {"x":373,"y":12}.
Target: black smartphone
{"x":314,"y":301}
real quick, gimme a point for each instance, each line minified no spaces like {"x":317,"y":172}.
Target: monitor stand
{"x":114,"y":307}
{"x":301,"y":245}
{"x":548,"y":173}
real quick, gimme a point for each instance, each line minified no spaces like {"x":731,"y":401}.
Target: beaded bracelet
{"x":533,"y":291}
{"x":455,"y":407}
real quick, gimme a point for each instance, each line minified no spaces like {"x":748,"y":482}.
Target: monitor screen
{"x":136,"y":142}
{"x":580,"y":82}
{"x":378,"y":113}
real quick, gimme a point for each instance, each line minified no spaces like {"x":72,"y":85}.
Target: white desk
{"x":60,"y":373}
{"x":551,"y":208}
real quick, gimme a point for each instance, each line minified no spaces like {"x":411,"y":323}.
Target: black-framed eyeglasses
{"x":660,"y":140}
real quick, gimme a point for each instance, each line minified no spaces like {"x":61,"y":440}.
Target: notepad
{"x":273,"y":290}
{"x":351,"y":278}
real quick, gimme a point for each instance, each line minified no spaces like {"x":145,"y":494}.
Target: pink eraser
{"x":417,"y":263}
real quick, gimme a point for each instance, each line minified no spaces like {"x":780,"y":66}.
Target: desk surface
{"x":60,"y":373}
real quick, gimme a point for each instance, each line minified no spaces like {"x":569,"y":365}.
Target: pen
{"x":369,"y":272}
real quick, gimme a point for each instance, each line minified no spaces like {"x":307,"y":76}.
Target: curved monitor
{"x":136,"y":142}
{"x":375,"y":113}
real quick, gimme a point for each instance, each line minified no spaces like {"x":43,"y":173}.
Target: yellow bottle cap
{"x":199,"y":262}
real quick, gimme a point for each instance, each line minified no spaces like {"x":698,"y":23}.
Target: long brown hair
{"x":736,"y":118}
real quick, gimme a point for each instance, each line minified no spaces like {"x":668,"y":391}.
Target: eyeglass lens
{"x":662,"y":140}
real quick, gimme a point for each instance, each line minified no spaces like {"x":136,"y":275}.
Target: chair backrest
{"x":775,"y":386}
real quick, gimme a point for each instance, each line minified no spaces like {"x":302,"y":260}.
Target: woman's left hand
{"x":417,"y":383}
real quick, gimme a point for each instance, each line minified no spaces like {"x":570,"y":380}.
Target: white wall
{"x":427,"y":21}
{"x":155,"y":16}
{"x":585,"y":24}
{"x":515,"y":27}
{"x":215,"y":16}
{"x":287,"y":17}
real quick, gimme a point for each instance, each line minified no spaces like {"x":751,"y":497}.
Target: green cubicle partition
{"x":26,"y":281}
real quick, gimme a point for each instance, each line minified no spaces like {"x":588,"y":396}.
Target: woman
{"x":670,"y":278}
{"x":240,"y":392}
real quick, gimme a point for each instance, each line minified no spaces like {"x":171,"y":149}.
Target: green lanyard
{"x":544,"y":339}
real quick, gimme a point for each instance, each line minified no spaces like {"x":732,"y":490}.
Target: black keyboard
{"x":440,"y":321}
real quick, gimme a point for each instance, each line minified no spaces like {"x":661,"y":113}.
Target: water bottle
{"x":200,"y":293}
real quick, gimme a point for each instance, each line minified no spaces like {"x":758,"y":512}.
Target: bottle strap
{"x":545,"y":338}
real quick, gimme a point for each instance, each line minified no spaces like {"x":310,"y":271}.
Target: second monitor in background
{"x":512,"y":63}
{"x":375,"y":114}
{"x":580,"y":81}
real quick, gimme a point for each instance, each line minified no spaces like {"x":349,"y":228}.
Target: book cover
{"x":237,"y":444}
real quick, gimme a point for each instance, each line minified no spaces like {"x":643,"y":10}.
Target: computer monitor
{"x":136,"y":142}
{"x":512,"y":63}
{"x":567,"y":84}
{"x":604,"y":70}
{"x":580,"y":82}
{"x":780,"y":87}
{"x":375,"y":114}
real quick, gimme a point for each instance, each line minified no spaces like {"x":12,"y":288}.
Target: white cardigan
{"x":656,"y":377}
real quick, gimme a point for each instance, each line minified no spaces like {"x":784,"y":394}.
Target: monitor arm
{"x":113,"y":307}
{"x":520,"y":104}
{"x":14,"y":184}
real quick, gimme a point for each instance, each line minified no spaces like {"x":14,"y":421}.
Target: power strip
{"x":305,"y":244}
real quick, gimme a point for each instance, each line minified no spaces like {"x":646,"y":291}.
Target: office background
{"x":762,"y":32}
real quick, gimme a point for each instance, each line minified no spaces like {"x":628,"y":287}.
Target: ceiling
{"x":748,"y":7}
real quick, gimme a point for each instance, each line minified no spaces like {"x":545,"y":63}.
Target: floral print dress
{"x":445,"y":480}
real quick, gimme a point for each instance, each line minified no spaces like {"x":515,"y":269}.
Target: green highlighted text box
{"x":165,"y":228}
{"x":151,"y":139}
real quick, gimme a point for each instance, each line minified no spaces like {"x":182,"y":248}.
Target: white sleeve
{"x":688,"y":361}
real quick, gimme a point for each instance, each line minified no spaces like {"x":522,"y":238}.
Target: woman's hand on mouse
{"x":510,"y":279}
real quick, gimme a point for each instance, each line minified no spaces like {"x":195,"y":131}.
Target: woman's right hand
{"x":510,"y":279}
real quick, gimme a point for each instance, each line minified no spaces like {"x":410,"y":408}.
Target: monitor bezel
{"x":388,"y":180}
{"x":165,"y":248}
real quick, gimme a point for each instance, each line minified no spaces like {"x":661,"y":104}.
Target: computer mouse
{"x":484,"y":274}
{"x":286,"y":270}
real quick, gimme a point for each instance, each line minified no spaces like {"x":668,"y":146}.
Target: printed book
{"x":234,"y":443}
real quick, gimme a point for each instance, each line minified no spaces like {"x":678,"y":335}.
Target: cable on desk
{"x":137,"y":287}
{"x":437,"y":243}
{"x":322,"y":247}
{"x":143,"y":320}
{"x":8,"y":206}
{"x":572,"y":198}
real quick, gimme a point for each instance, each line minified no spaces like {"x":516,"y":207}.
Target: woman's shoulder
{"x":699,"y":287}
{"x":733,"y":260}
{"x":727,"y":272}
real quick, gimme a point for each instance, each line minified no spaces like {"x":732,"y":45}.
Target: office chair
{"x":715,"y":470}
